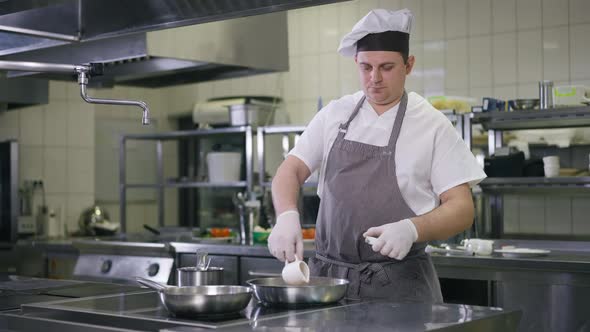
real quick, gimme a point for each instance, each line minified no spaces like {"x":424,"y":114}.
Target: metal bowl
{"x":523,"y":104}
{"x":319,"y":290}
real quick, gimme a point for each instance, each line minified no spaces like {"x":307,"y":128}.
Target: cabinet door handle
{"x":263,"y":274}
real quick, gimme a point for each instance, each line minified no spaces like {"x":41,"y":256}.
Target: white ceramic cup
{"x":551,"y":171}
{"x":296,"y":272}
{"x":551,"y":161}
{"x":479,"y":246}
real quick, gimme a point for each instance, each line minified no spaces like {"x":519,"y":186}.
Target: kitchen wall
{"x":471,"y":48}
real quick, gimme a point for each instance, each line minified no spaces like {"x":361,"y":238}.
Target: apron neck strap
{"x":344,"y":126}
{"x":397,"y":125}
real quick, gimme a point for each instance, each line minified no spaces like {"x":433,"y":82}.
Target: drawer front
{"x":228,"y":263}
{"x":256,"y":267}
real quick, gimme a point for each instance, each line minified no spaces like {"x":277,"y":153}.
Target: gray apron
{"x":361,"y":191}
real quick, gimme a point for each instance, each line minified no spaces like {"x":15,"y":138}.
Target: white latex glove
{"x":285,"y":239}
{"x":395,"y":239}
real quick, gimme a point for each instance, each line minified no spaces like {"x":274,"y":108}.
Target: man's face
{"x":383,"y":75}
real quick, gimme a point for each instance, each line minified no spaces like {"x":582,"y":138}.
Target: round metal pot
{"x":193,"y":276}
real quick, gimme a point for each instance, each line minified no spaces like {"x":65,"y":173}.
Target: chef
{"x":391,"y":167}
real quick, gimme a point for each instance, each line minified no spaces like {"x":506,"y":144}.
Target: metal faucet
{"x":83,"y":72}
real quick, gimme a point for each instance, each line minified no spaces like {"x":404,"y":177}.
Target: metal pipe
{"x":83,"y":81}
{"x":39,"y":33}
{"x":42,"y":67}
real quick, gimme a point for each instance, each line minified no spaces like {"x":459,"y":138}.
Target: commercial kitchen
{"x":139,"y":141}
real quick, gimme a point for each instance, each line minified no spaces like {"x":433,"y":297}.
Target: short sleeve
{"x":310,"y":146}
{"x":453,"y":163}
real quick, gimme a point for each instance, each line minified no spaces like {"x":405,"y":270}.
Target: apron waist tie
{"x":366,"y":270}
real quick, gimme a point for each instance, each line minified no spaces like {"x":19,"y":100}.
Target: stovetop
{"x":15,"y":290}
{"x":143,"y":310}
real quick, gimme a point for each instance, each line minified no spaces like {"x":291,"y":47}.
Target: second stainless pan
{"x":190,"y":301}
{"x":319,"y":290}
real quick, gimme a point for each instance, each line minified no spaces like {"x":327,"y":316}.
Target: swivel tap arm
{"x":84,"y":72}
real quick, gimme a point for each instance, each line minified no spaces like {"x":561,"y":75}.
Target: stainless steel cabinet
{"x":228,"y":263}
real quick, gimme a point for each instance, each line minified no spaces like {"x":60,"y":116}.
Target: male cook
{"x":391,"y":167}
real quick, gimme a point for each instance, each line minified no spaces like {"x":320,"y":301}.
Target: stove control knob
{"x":153,"y":269}
{"x":106,"y":266}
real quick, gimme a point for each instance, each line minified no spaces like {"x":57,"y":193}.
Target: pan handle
{"x":151,"y":284}
{"x":263,"y":274}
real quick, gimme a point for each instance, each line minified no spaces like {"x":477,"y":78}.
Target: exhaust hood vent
{"x":133,"y":38}
{"x":22,"y":92}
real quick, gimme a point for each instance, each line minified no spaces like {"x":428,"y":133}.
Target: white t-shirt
{"x":430,"y":155}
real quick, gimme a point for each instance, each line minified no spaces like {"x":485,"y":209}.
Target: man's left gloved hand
{"x":394,"y":239}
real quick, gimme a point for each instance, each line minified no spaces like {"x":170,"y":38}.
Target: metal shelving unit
{"x":497,"y":122}
{"x":162,"y":184}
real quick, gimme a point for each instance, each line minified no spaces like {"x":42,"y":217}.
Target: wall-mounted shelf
{"x":578,"y":116}
{"x":571,"y":184}
{"x":162,"y":183}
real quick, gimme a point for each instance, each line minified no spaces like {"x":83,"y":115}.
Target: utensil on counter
{"x":523,"y":104}
{"x":200,"y":300}
{"x":319,"y":291}
{"x":295,"y":273}
{"x":151,"y":229}
{"x":448,"y":250}
{"x":95,"y":220}
{"x":522,"y":252}
{"x":546,"y":94}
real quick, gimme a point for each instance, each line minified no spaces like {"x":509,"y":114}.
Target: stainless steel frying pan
{"x":200,"y":300}
{"x":319,"y":290}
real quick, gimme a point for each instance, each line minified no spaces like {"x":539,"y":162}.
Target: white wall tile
{"x":580,"y":213}
{"x":579,"y":51}
{"x":456,"y":64}
{"x":348,"y":15}
{"x":503,"y":15}
{"x":294,"y":32}
{"x":530,"y":90}
{"x":80,"y":170}
{"x":328,"y":29}
{"x":434,"y":68}
{"x":479,"y":93}
{"x":329,"y":76}
{"x":55,"y":124}
{"x":31,"y":162}
{"x":367,"y":5}
{"x":54,"y":169}
{"x":31,"y":125}
{"x":555,"y":13}
{"x":579,"y":10}
{"x":456,"y":17}
{"x":480,"y":61}
{"x":415,"y":81}
{"x":504,"y":92}
{"x":80,"y":126}
{"x":349,"y":79}
{"x":511,"y":214}
{"x":292,"y":79}
{"x":530,"y":56}
{"x":310,"y":30}
{"x":433,"y":19}
{"x":504,"y":54}
{"x":529,"y":14}
{"x":480,"y":17}
{"x":9,"y":125}
{"x":415,"y":7}
{"x":532,"y":214}
{"x":558,"y":212}
{"x":556,"y":54}
{"x":388,"y":4}
{"x":310,"y":76}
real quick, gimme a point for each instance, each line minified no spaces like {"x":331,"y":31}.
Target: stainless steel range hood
{"x":122,"y":34}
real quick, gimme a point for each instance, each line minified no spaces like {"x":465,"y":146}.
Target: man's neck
{"x":382,"y":108}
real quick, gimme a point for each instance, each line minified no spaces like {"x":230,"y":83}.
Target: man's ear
{"x":355,"y":60}
{"x":410,"y":64}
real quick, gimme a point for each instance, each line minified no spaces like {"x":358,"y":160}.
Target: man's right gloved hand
{"x":286,"y":240}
